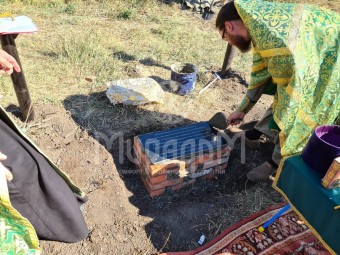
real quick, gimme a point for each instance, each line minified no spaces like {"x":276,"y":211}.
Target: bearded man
{"x":295,"y":59}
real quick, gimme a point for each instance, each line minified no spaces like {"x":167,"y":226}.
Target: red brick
{"x":146,"y":161}
{"x":152,"y":193}
{"x":137,"y":146}
{"x":183,"y":184}
{"x":158,"y":179}
{"x":138,"y":150}
{"x":155,"y":193}
{"x":206,"y":157}
{"x":203,"y":158}
{"x":215,"y":162}
{"x":162,"y":184}
{"x":140,"y":153}
{"x":145,"y":173}
{"x":138,"y":161}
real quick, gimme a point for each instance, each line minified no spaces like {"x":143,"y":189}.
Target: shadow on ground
{"x":125,"y":57}
{"x":179,"y":218}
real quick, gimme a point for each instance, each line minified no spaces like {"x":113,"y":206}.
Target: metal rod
{"x":18,"y":79}
{"x":207,"y":86}
{"x":228,"y":59}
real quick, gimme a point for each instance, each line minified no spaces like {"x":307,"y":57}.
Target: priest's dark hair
{"x":227,"y":13}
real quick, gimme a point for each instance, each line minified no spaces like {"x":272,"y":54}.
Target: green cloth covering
{"x":296,"y":47}
{"x":17,"y":235}
{"x":301,"y":186}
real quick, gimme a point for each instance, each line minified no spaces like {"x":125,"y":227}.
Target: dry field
{"x":119,"y":39}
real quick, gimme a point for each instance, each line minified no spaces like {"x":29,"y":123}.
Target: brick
{"x":157,"y":168}
{"x":157,"y":179}
{"x":202,"y":158}
{"x":206,"y":157}
{"x":183,"y":184}
{"x":144,"y":172}
{"x":152,"y":193}
{"x":155,"y":193}
{"x":165,"y":167}
{"x":215,"y":162}
{"x":140,"y":153}
{"x":137,"y":145}
{"x":139,"y":162}
{"x":162,"y":184}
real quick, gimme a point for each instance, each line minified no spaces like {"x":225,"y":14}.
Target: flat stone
{"x":135,"y":91}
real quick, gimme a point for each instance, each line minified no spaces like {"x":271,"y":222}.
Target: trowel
{"x":219,"y":122}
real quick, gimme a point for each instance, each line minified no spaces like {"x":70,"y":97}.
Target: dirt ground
{"x":121,"y":217}
{"x":90,"y":139}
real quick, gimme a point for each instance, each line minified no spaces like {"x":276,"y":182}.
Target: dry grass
{"x":107,"y":41}
{"x":115,"y":41}
{"x":111,"y":41}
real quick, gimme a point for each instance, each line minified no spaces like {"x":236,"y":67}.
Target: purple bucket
{"x":322,"y":147}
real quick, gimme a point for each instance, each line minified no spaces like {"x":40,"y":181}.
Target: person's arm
{"x":260,"y":83}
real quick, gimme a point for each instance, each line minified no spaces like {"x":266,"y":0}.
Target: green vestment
{"x":296,"y":48}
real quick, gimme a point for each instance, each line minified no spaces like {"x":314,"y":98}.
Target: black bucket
{"x":184,"y":75}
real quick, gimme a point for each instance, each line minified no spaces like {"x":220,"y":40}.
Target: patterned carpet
{"x":286,"y":236}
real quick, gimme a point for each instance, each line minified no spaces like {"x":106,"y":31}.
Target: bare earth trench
{"x":121,"y":217}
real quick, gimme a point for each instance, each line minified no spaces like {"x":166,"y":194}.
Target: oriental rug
{"x":288,"y":235}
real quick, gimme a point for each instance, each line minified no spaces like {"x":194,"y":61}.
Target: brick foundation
{"x":174,"y":174}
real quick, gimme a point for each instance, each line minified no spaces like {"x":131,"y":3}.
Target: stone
{"x":135,"y":91}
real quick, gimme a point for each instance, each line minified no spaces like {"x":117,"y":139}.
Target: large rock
{"x":135,"y":91}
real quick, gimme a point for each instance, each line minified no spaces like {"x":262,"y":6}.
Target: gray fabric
{"x":272,"y":135}
{"x":39,"y":193}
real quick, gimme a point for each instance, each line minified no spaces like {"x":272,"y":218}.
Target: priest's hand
{"x":236,"y":117}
